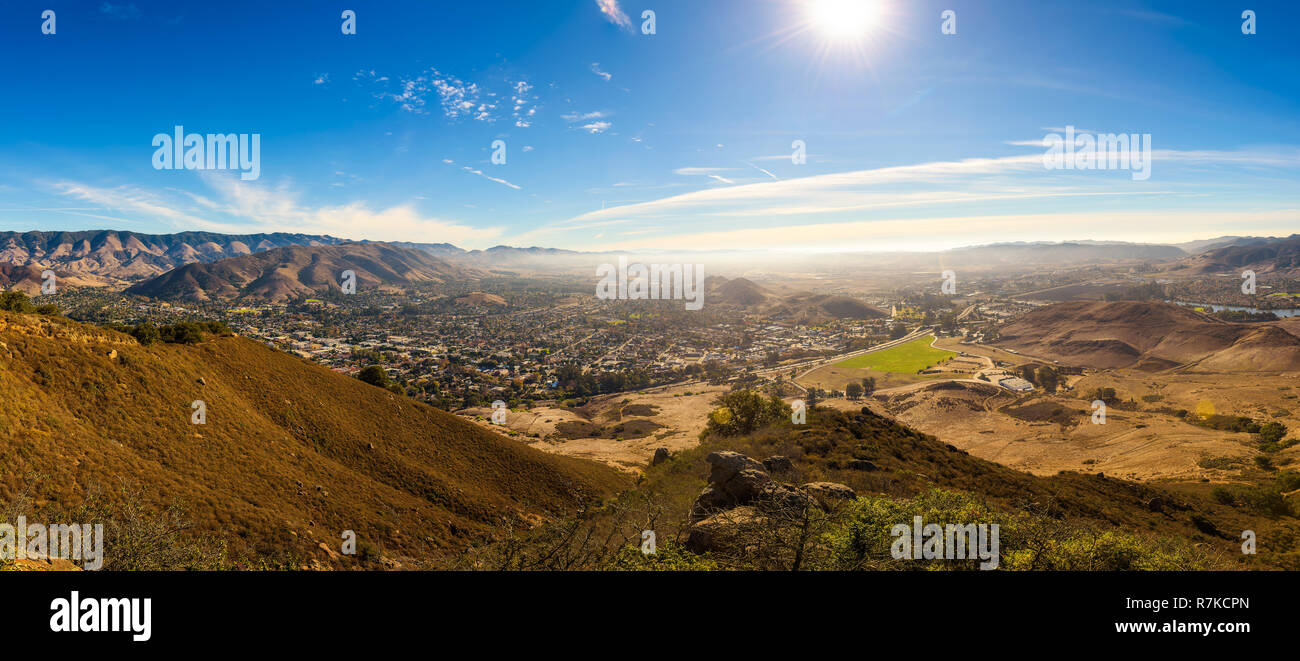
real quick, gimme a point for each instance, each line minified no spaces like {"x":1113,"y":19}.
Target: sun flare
{"x":843,"y":20}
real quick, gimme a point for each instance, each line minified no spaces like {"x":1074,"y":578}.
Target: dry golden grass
{"x":292,"y":454}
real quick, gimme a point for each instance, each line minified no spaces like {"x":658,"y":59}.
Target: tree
{"x":374,"y":375}
{"x":813,"y":394}
{"x":1048,"y":378}
{"x":146,"y":333}
{"x":868,"y":386}
{"x":15,"y":301}
{"x":853,"y":390}
{"x":743,"y":411}
{"x":1026,"y":372}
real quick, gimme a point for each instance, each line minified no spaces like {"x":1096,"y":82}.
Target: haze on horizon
{"x":678,"y":140}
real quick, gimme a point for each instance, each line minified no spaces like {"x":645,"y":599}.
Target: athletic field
{"x":908,"y":358}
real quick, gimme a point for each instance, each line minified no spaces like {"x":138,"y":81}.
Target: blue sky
{"x":677,"y":140}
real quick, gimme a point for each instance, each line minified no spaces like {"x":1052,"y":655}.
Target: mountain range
{"x":289,"y":272}
{"x":109,"y":256}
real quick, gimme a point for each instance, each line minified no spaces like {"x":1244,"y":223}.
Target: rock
{"x":778,"y":464}
{"x":829,"y":495}
{"x":726,"y":464}
{"x":331,"y":553}
{"x":737,"y":476}
{"x":786,"y":499}
{"x":746,"y":485}
{"x":734,"y":480}
{"x":710,"y":502}
{"x":202,"y":382}
{"x":112,"y":355}
{"x":862,"y":465}
{"x":661,"y":455}
{"x":723,"y":530}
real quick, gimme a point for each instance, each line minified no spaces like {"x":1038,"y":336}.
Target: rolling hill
{"x":121,"y":256}
{"x":1149,"y":336}
{"x":286,"y":273}
{"x":1271,"y":256}
{"x":291,"y":454}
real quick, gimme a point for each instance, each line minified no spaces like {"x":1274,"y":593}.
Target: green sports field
{"x":906,"y":358}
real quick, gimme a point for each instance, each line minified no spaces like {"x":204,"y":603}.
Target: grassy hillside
{"x":1068,"y":521}
{"x":291,"y":454}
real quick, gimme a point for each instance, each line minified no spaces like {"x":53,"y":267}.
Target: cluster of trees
{"x":1104,"y":394}
{"x":856,"y":390}
{"x":16,"y":301}
{"x":1042,"y":376}
{"x":185,"y":332}
{"x":1271,"y":435}
{"x":579,"y":384}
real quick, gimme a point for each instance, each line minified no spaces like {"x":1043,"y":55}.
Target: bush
{"x":15,"y":301}
{"x":146,"y":333}
{"x":375,"y":376}
{"x":1027,"y":540}
{"x":1223,"y":496}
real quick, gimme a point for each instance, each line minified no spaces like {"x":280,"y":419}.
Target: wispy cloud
{"x":614,"y":14}
{"x":934,"y":197}
{"x":241,"y":207}
{"x":596,"y":127}
{"x":480,"y":173}
{"x":595,"y":68}
{"x":582,"y":117}
{"x":503,"y":182}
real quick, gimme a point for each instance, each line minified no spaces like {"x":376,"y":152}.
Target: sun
{"x":843,"y":20}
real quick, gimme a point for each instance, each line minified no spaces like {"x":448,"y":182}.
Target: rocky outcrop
{"x":741,"y":496}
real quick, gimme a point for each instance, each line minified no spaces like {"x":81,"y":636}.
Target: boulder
{"x":778,"y":464}
{"x":661,"y":455}
{"x":723,"y":530}
{"x":725,"y":464}
{"x":709,"y":502}
{"x":785,"y":499}
{"x":829,"y":495}
{"x":734,"y":480}
{"x":862,"y":465}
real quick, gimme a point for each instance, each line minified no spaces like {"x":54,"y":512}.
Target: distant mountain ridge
{"x":285,"y":273}
{"x":108,"y":256}
{"x":1272,"y":256}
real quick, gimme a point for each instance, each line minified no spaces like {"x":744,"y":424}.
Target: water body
{"x":1285,"y":312}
